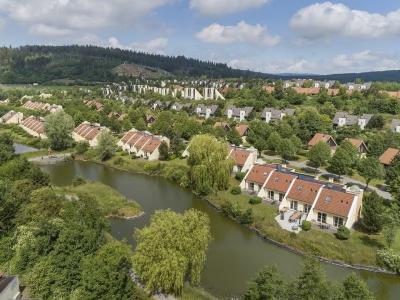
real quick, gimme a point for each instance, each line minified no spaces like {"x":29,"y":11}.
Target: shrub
{"x":247,"y":217}
{"x":239,"y":176}
{"x":255,"y":200}
{"x":153,"y":167}
{"x":343,"y":233}
{"x":236,"y":190}
{"x":388,"y":259}
{"x":306,"y":225}
{"x":124,"y":153}
{"x":78,"y":181}
{"x":232,"y":210}
{"x":82,"y":147}
{"x":119,"y":161}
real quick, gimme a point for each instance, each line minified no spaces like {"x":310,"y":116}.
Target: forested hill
{"x":42,"y":64}
{"x":29,"y":64}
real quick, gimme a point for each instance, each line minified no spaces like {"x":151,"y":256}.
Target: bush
{"x":236,"y":190}
{"x":247,"y":217}
{"x":239,"y":176}
{"x":255,"y":200}
{"x":119,"y":161}
{"x":124,"y":153}
{"x":153,"y":167}
{"x":232,"y":210}
{"x":388,"y":259}
{"x":82,"y":147}
{"x":78,"y":181}
{"x":343,"y":233}
{"x":306,"y":225}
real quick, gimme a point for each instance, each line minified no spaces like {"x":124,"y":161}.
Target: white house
{"x":9,"y":287}
{"x":88,"y":132}
{"x":12,"y":117}
{"x":34,"y":126}
{"x":142,"y":143}
{"x":317,"y":201}
{"x":238,"y":113}
{"x":212,"y":94}
{"x":192,"y":94}
{"x":244,"y":158}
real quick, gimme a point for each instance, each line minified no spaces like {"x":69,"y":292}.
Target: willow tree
{"x":172,"y":250}
{"x":58,"y":128}
{"x":209,"y":167}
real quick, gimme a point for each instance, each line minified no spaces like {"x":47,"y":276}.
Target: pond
{"x":235,"y":255}
{"x":21,"y":149}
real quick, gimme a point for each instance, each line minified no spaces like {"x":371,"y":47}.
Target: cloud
{"x":222,"y":7}
{"x":239,"y":33}
{"x":2,"y":23}
{"x":158,"y":45}
{"x":59,"y":17}
{"x":362,"y":61}
{"x":328,"y":20}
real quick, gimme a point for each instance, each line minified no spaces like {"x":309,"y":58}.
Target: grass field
{"x":111,"y":202}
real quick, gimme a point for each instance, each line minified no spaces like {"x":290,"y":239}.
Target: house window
{"x":251,"y":186}
{"x":281,"y":197}
{"x":271,"y":194}
{"x":293,"y":205}
{"x":307,"y":208}
{"x":321,"y":217}
{"x":337,"y":221}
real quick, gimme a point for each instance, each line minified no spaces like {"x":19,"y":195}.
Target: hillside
{"x":133,"y":70}
{"x":41,"y":64}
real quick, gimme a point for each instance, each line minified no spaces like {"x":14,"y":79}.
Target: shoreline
{"x":259,"y":233}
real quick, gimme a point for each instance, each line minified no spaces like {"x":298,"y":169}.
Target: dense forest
{"x":42,"y":64}
{"x":30,"y":64}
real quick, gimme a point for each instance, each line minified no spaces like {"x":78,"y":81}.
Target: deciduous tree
{"x":172,"y":250}
{"x":58,"y":128}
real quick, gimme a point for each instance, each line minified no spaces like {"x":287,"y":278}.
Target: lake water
{"x":235,"y":255}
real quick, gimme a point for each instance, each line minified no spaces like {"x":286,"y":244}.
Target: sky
{"x":271,"y":36}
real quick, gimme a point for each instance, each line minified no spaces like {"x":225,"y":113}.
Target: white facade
{"x":12,"y":117}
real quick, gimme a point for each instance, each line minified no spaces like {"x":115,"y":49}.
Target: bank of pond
{"x":235,"y":254}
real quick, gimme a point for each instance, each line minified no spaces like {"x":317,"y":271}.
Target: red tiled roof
{"x":152,"y":145}
{"x":334,"y":202}
{"x":307,"y":91}
{"x":304,"y":191}
{"x":280,"y":181}
{"x":320,"y":137}
{"x":132,"y":141}
{"x":239,"y":155}
{"x":88,"y":131}
{"x":388,"y":156}
{"x":242,"y":129}
{"x":34,"y":124}
{"x":259,"y":173}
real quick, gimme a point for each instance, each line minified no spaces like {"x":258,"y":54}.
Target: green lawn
{"x":111,"y":202}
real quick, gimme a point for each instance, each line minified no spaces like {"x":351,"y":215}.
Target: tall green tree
{"x":319,"y":154}
{"x":6,"y":147}
{"x":209,"y":167}
{"x":106,"y":145}
{"x":105,"y":274}
{"x":172,"y":250}
{"x":267,"y":285}
{"x":356,"y":289}
{"x":370,"y":168}
{"x":58,"y":128}
{"x":373,"y":213}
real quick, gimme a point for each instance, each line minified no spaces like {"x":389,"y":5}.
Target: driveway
{"x":344,"y":179}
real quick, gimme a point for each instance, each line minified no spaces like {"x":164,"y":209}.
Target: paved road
{"x":344,"y":179}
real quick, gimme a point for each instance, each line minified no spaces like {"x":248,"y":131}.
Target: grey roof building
{"x":240,"y":113}
{"x":396,"y":125}
{"x":206,"y":111}
{"x":343,"y":118}
{"x":271,"y":114}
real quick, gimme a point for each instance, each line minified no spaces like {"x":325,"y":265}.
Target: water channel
{"x":235,"y":255}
